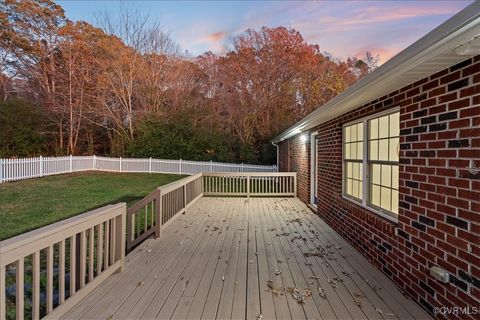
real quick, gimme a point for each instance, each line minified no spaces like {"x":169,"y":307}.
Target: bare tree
{"x":125,"y":68}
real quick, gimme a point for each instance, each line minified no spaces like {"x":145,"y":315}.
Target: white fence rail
{"x":26,"y":168}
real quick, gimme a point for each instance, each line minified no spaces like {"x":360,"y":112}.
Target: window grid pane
{"x":353,"y":157}
{"x":382,"y":135}
{"x":383,"y":142}
{"x":354,"y":179}
{"x":353,"y":142}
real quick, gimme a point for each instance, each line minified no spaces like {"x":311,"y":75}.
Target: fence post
{"x":1,"y":170}
{"x":150,"y":165}
{"x":41,"y":166}
{"x":94,"y":162}
{"x":120,"y":164}
{"x":248,"y":186}
{"x":70,"y":163}
{"x":211,"y":165}
{"x":242,"y":168}
{"x":180,"y":165}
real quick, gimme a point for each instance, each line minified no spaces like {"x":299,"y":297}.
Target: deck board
{"x":216,"y":260}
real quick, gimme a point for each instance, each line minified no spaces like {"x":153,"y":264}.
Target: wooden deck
{"x":233,"y":258}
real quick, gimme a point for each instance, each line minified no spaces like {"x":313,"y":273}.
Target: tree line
{"x":123,"y":87}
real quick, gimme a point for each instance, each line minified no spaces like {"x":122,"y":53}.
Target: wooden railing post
{"x":295,"y":185}
{"x":120,"y":231}
{"x":158,"y":226}
{"x":248,"y":186}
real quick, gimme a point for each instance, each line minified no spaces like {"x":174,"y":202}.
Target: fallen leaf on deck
{"x":322,"y":292}
{"x":357,"y":302}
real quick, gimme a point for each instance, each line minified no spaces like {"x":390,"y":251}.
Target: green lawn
{"x":29,"y":204}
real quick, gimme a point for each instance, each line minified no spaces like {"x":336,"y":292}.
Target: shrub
{"x":179,"y":138}
{"x":21,"y":128}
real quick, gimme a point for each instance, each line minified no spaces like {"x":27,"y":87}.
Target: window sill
{"x":378,"y":213}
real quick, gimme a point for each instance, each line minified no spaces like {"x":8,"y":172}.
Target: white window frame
{"x":313,"y":167}
{"x":365,"y":203}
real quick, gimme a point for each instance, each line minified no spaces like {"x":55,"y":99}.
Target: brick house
{"x":393,"y":162}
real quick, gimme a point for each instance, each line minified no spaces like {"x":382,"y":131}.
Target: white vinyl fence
{"x":26,"y":168}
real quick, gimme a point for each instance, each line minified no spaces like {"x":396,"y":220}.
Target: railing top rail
{"x":145,"y":200}
{"x":59,"y":227}
{"x":175,"y":184}
{"x":250,"y":174}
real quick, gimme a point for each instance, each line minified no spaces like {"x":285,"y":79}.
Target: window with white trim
{"x":370,"y":162}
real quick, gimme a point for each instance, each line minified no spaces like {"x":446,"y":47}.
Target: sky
{"x":341,"y":28}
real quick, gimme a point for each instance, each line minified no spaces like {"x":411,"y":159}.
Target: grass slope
{"x":29,"y":204}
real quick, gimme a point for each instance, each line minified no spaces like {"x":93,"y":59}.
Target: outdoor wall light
{"x":303,"y":138}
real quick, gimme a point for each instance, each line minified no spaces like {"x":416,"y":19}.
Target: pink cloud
{"x":216,"y":36}
{"x":384,"y":53}
{"x":371,"y":15}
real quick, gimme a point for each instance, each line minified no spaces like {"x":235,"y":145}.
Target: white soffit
{"x":434,"y":52}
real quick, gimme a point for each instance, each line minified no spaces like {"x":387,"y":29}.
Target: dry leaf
{"x":322,"y":292}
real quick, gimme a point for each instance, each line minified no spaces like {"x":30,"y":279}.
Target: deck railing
{"x":27,"y":168}
{"x":250,"y":184}
{"x":75,"y":255}
{"x":154,"y":212}
{"x":61,"y":262}
{"x":159,"y":208}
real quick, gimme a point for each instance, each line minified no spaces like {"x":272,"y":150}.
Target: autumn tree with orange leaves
{"x":113,"y":89}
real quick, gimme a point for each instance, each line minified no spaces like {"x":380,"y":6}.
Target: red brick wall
{"x":439,"y":215}
{"x":294,"y":155}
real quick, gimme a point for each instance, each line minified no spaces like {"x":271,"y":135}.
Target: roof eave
{"x":459,"y":29}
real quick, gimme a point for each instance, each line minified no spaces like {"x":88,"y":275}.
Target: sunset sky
{"x":342,"y":28}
